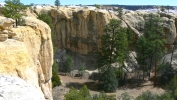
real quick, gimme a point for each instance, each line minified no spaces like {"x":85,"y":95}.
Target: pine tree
{"x":114,"y":50}
{"x":57,"y":3}
{"x":151,"y":46}
{"x":13,"y":9}
{"x":114,"y":44}
{"x":142,"y":48}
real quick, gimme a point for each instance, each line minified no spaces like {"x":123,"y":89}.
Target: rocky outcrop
{"x":5,"y":28}
{"x":29,"y":55}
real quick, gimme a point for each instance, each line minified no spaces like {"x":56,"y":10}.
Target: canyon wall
{"x":79,"y":30}
{"x":26,"y":59}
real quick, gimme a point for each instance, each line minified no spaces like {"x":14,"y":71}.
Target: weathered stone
{"x":29,"y":55}
{"x":5,"y":31}
{"x":11,"y":34}
{"x":17,"y":89}
{"x":3,"y":37}
{"x":6,"y":23}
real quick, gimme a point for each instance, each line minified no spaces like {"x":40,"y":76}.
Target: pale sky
{"x":91,"y":2}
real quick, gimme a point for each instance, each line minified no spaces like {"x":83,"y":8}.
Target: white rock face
{"x":14,"y":88}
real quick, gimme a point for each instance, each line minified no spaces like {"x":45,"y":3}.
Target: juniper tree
{"x":13,"y":9}
{"x":108,"y":80}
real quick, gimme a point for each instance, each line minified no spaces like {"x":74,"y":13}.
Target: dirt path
{"x":76,"y":82}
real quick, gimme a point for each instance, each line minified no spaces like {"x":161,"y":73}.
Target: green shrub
{"x":82,"y":69}
{"x":69,"y":63}
{"x":55,"y":67}
{"x":97,"y":6}
{"x":103,"y":96}
{"x":82,"y":94}
{"x":172,"y":88}
{"x":147,"y":95}
{"x":55,"y":80}
{"x":109,"y":81}
{"x":47,"y":19}
{"x":165,"y":96}
{"x":125,"y":96}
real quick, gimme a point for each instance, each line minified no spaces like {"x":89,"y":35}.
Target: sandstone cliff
{"x":28,"y":55}
{"x":79,"y":30}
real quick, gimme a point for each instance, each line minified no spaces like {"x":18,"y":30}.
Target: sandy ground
{"x":67,"y":82}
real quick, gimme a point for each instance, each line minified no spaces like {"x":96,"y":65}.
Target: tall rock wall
{"x":79,"y":29}
{"x":29,"y":55}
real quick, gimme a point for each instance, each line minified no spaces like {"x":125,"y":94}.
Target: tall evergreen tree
{"x":142,"y":48}
{"x":151,"y":46}
{"x":13,"y":9}
{"x":57,"y":3}
{"x":114,"y":44}
{"x":114,"y":50}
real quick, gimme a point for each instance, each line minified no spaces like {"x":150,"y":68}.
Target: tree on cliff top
{"x":13,"y":9}
{"x":57,"y":3}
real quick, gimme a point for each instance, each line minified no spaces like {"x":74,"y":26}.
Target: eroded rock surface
{"x":29,"y":55}
{"x":79,"y":30}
